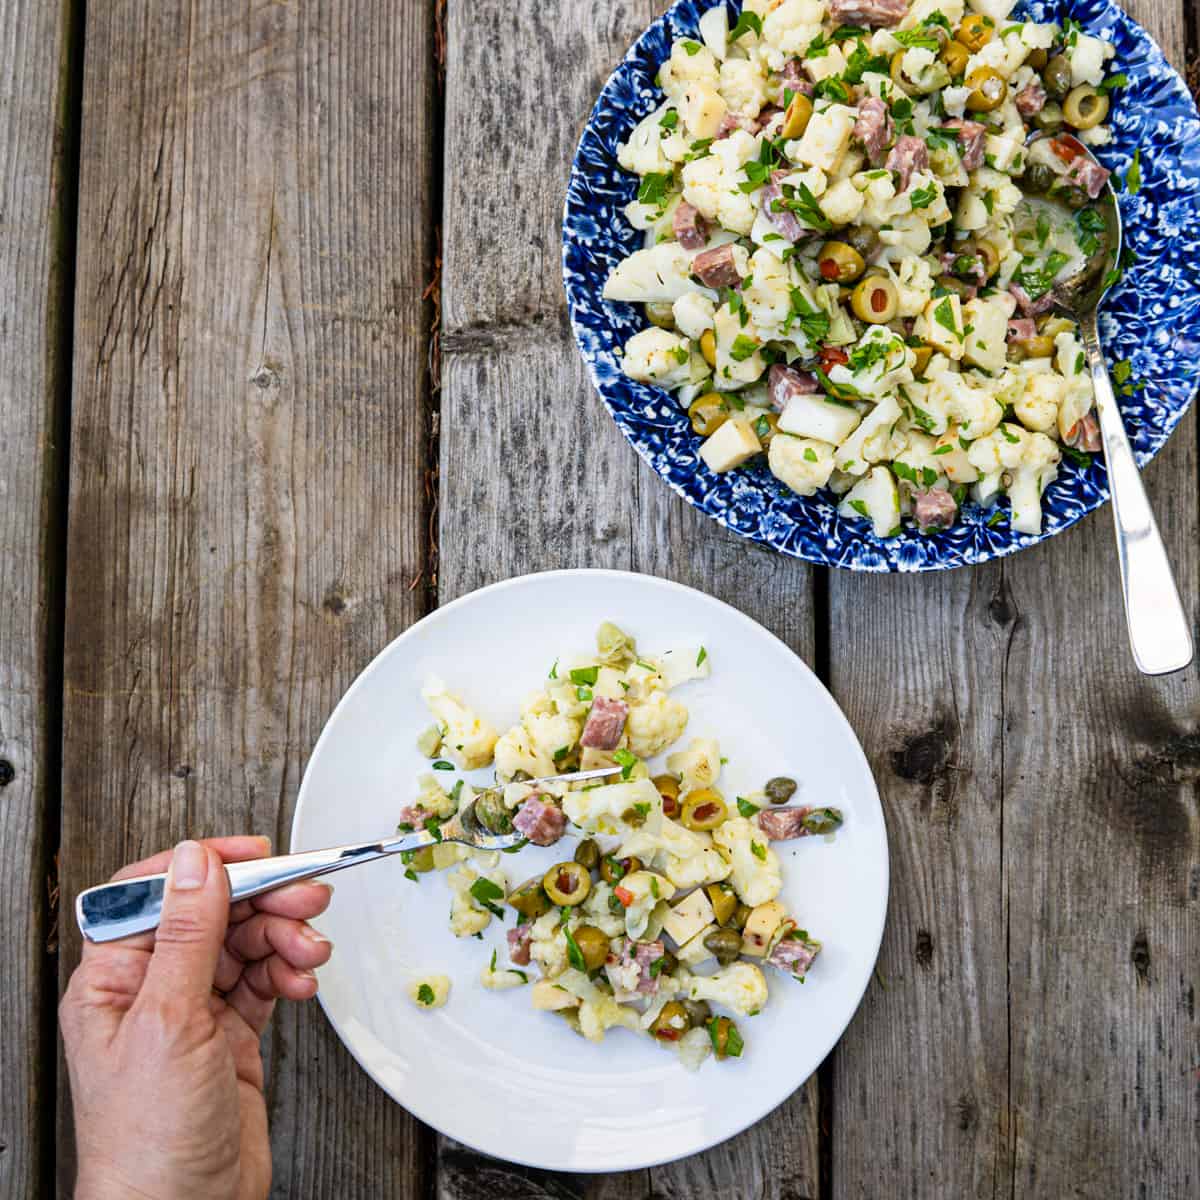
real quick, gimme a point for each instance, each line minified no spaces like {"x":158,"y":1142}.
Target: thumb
{"x":195,"y":916}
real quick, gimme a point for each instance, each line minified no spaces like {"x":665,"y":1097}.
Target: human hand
{"x":162,"y":1031}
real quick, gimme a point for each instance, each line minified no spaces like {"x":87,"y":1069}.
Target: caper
{"x":976,"y":31}
{"x":741,"y":915}
{"x":1038,"y":178}
{"x":587,"y":854}
{"x":707,"y":414}
{"x":796,"y":119}
{"x":955,"y":55}
{"x":723,"y":900}
{"x":988,"y":89}
{"x":1085,"y":107}
{"x":492,"y":814}
{"x":1073,"y":197}
{"x":671,"y":1023}
{"x":1038,"y":58}
{"x":698,"y":1011}
{"x":780,"y":789}
{"x":898,"y":77}
{"x":613,"y":870}
{"x":708,"y":347}
{"x":421,"y":860}
{"x":1034,"y":347}
{"x":725,"y":945}
{"x":823,"y":820}
{"x":1056,"y":78}
{"x":1050,"y":119}
{"x":863,"y":239}
{"x":669,"y":963}
{"x":875,"y":300}
{"x":530,"y":899}
{"x":726,"y":1040}
{"x":661,"y":314}
{"x":593,"y":945}
{"x":840,"y":263}
{"x":567,"y":883}
{"x":668,"y":789}
{"x":924,"y":357}
{"x":703,"y":809}
{"x":635,"y":818}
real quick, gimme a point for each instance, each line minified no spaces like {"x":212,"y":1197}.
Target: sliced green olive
{"x":898,"y":77}
{"x":990,"y":253}
{"x":924,"y":357}
{"x":1034,"y":347}
{"x":724,"y":944}
{"x":875,"y":300}
{"x":530,"y":899}
{"x":726,"y":1041}
{"x":662,"y":315}
{"x":1050,"y":119}
{"x":723,"y":900}
{"x":708,"y":347}
{"x":587,"y":854}
{"x":988,"y":89}
{"x":671,"y":1023}
{"x":780,"y":789}
{"x":840,"y":263}
{"x":567,"y":883}
{"x":703,"y":809}
{"x":955,"y":55}
{"x":613,"y":870}
{"x":492,"y":813}
{"x":741,"y":915}
{"x":707,"y":414}
{"x":863,"y":239}
{"x":1085,"y":108}
{"x":593,"y":945}
{"x":1038,"y":59}
{"x":1056,"y":78}
{"x":796,"y":119}
{"x":668,"y":789}
{"x":976,"y":31}
{"x":959,"y":287}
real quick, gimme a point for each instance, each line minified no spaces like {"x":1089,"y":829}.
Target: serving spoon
{"x":1159,"y":634}
{"x":119,"y":910}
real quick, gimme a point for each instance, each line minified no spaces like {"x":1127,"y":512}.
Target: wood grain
{"x":535,"y":475}
{"x":250,"y":427}
{"x":34,"y":275}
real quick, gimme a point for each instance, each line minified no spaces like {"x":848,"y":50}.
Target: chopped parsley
{"x":745,"y":808}
{"x":583,"y":693}
{"x":443,"y":765}
{"x":670,"y":118}
{"x":425,"y":995}
{"x":1113,"y":82}
{"x":1133,"y":177}
{"x":943,"y":314}
{"x":554,"y":670}
{"x":1077,"y":456}
{"x":814,"y":323}
{"x":1089,"y":225}
{"x":692,"y":48}
{"x":810,"y":455}
{"x":626,"y":761}
{"x":585,"y":676}
{"x":758,"y":849}
{"x":574,"y":954}
{"x":747,"y":22}
{"x":999,"y":517}
{"x":701,"y":656}
{"x":924,"y":197}
{"x":742,"y":348}
{"x":487,"y":893}
{"x":864,"y":357}
{"x":804,"y":205}
{"x":411,"y":874}
{"x":653,"y":188}
{"x":859,"y":507}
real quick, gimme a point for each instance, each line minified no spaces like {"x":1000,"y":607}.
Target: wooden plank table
{"x":227,"y":241}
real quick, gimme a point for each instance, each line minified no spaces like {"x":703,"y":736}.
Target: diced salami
{"x":780,"y":824}
{"x":794,"y":955}
{"x":730,"y":122}
{"x":875,"y":13}
{"x":518,"y":943}
{"x":540,"y":821}
{"x":934,"y":509}
{"x":873,"y":129}
{"x":716,"y":268}
{"x":1087,"y":174}
{"x":1031,"y":100}
{"x":691,"y":230}
{"x":765,"y":117}
{"x":909,"y":155}
{"x":972,"y":137}
{"x":1085,"y":434}
{"x":794,"y":79}
{"x":1022,"y":329}
{"x":632,"y":973}
{"x":1030,"y":307}
{"x":788,"y":224}
{"x":414,"y":816}
{"x":785,"y":382}
{"x":604,"y":725}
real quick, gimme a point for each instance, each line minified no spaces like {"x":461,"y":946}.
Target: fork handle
{"x":1159,"y":633}
{"x":118,"y":910}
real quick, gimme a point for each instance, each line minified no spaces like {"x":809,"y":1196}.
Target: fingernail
{"x":313,"y":935}
{"x":321,"y":883}
{"x":266,"y":841}
{"x":189,"y":867}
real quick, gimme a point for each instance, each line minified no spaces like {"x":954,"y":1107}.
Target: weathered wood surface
{"x":535,"y":475}
{"x":1032,"y":1028}
{"x":250,"y":434}
{"x":34,"y":281}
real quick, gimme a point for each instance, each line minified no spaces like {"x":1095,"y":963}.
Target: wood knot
{"x":335,"y":602}
{"x":1139,"y":955}
{"x":1001,"y":607}
{"x":923,"y":950}
{"x":264,"y":378}
{"x":182,"y":771}
{"x":967,"y":1111}
{"x":7,"y":772}
{"x":922,"y":757}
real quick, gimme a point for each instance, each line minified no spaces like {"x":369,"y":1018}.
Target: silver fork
{"x":118,"y":910}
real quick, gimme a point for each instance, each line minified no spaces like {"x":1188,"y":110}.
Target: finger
{"x":230,"y":849}
{"x":261,"y":982}
{"x":195,"y":916}
{"x":265,"y":934}
{"x":300,"y":901}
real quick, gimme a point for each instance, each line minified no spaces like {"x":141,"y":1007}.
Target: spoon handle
{"x":1159,"y":632}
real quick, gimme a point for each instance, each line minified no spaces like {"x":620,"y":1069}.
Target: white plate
{"x":489,"y":1071}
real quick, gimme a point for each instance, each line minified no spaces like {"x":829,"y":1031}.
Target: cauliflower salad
{"x":667,"y":914}
{"x":855,"y":212}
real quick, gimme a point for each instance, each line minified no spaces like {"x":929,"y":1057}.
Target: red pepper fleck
{"x":1066,"y":147}
{"x":832,"y":356}
{"x":624,"y":895}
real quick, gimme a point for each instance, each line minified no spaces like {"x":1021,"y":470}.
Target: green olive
{"x":780,"y":789}
{"x":959,"y":287}
{"x":567,"y":883}
{"x":1056,"y":78}
{"x":863,"y":239}
{"x":1050,"y":119}
{"x":1034,"y":347}
{"x":668,"y":789}
{"x":989,"y":252}
{"x":741,"y":915}
{"x":613,"y":870}
{"x":796,"y":119}
{"x":662,"y":315}
{"x":1085,"y":107}
{"x":671,"y":1023}
{"x":492,"y":813}
{"x":723,"y":900}
{"x":955,"y":55}
{"x":421,"y":860}
{"x":708,"y":347}
{"x":976,"y":31}
{"x":766,"y":426}
{"x":707,"y":414}
{"x":823,"y":820}
{"x":988,"y":89}
{"x":703,"y":809}
{"x":924,"y":357}
{"x":898,"y":77}
{"x":1037,"y":59}
{"x":593,"y":945}
{"x":875,"y":300}
{"x":840,"y":263}
{"x":587,"y":854}
{"x":726,"y":1040}
{"x":1052,"y":325}
{"x":1038,"y":179}
{"x":530,"y":899}
{"x":725,"y":944}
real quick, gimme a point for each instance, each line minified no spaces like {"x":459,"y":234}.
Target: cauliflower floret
{"x":842,"y":203}
{"x":597,"y":911}
{"x":429,"y":991}
{"x":768,"y":299}
{"x":468,"y":916}
{"x":739,"y":986}
{"x":693,"y":314}
{"x":789,"y":29}
{"x":706,"y":866}
{"x":699,"y":765}
{"x":656,"y":355}
{"x":1038,"y":470}
{"x":968,"y":400}
{"x":879,"y":364}
{"x":872,"y":441}
{"x":466,"y":737}
{"x":645,"y":890}
{"x":703,"y":109}
{"x":920,"y":11}
{"x":1087,"y":60}
{"x":1001,"y":450}
{"x":756,"y":874}
{"x":599,"y":809}
{"x":914,"y":285}
{"x":986,"y":343}
{"x":744,"y":86}
{"x":694,"y":1047}
{"x":683,"y":68}
{"x":991,"y":196}
{"x":1038,"y":405}
{"x":654,"y":723}
{"x":826,"y":137}
{"x":643,"y":153}
{"x":904,"y":235}
{"x":656,"y":275}
{"x":434,"y":798}
{"x":501,"y":980}
{"x":803,"y":464}
{"x":547,"y":945}
{"x":739,"y":360}
{"x":516,"y":751}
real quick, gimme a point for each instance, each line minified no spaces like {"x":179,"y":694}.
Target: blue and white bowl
{"x":1151,"y":318}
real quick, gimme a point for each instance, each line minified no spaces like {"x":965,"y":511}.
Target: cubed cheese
{"x":818,"y":418}
{"x":986,"y":333}
{"x":688,"y":917}
{"x":876,"y":499}
{"x":733,"y":444}
{"x":825,"y":140}
{"x":944,"y":325}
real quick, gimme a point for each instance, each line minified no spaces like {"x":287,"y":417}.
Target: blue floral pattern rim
{"x":1151,"y":318}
